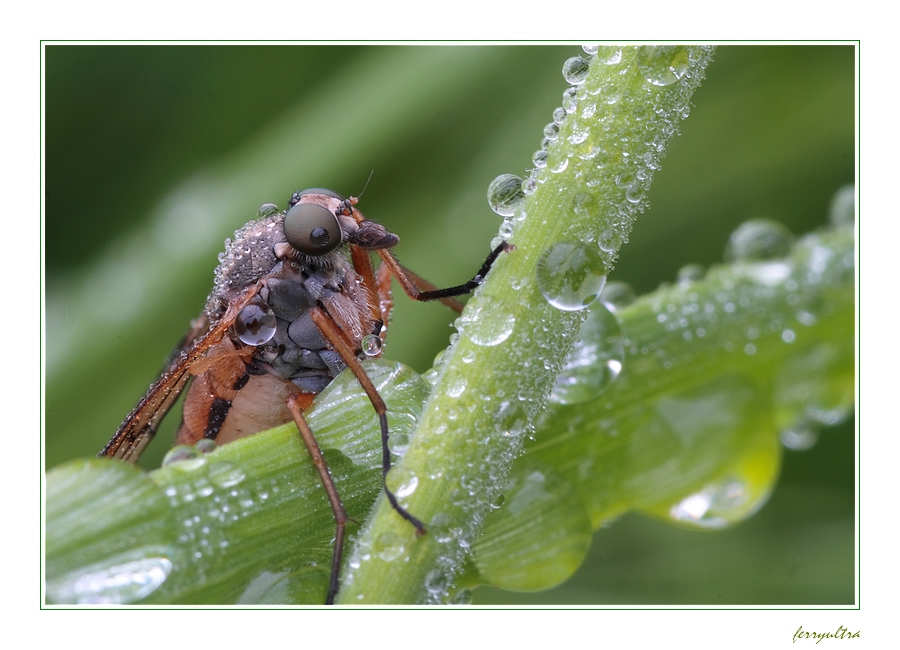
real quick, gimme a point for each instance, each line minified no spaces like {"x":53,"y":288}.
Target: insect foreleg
{"x":420,"y":289}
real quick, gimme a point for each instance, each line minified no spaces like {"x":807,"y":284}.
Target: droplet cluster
{"x":607,"y":139}
{"x":720,"y":370}
{"x":597,"y":155}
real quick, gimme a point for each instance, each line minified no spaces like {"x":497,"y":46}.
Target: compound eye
{"x":315,"y":190}
{"x":312,"y":229}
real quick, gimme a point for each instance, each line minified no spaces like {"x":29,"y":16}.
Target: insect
{"x":296,"y":300}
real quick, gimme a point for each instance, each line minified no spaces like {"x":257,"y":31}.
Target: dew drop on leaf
{"x":505,"y":194}
{"x":663,"y":65}
{"x":570,"y":275}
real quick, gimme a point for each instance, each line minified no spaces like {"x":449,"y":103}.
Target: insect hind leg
{"x":333,"y":333}
{"x":296,"y":405}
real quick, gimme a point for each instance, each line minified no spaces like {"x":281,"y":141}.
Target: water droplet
{"x":759,"y":240}
{"x":119,"y":580}
{"x":788,"y":335}
{"x":225,"y":475}
{"x":486,"y":322}
{"x":437,"y":582}
{"x":540,"y":158}
{"x":461,"y":597}
{"x":617,"y":295}
{"x":511,"y":419}
{"x":595,"y":361}
{"x":590,"y":50}
{"x":570,"y":99}
{"x":634,"y":193}
{"x":575,"y":70}
{"x":720,"y":504}
{"x":398,"y":443}
{"x":579,"y":134}
{"x":842,"y":211}
{"x":182,"y":454}
{"x":800,"y":437}
{"x":457,"y":387}
{"x":609,"y":55}
{"x":205,"y":446}
{"x":570,"y":275}
{"x":388,"y":546}
{"x":559,"y":166}
{"x":551,"y":132}
{"x":406,"y":482}
{"x":371,"y":345}
{"x":689,"y":274}
{"x":662,"y":65}
{"x":266,"y":210}
{"x":828,"y":415}
{"x":505,"y":194}
{"x":256,"y":323}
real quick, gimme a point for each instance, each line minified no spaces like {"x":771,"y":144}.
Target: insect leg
{"x":420,"y":289}
{"x":333,"y":333}
{"x":383,"y":279}
{"x":363,"y":265}
{"x":295,"y":404}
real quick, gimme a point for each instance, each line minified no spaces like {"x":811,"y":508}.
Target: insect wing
{"x":138,"y":429}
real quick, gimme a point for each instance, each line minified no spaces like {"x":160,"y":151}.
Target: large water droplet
{"x":570,"y":275}
{"x":505,"y":194}
{"x":759,"y":240}
{"x":720,"y":504}
{"x":371,"y":345}
{"x":662,"y":65}
{"x":255,"y":324}
{"x":119,"y":580}
{"x":575,"y":70}
{"x":595,"y":361}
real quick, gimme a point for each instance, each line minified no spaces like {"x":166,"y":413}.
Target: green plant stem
{"x":487,"y":396}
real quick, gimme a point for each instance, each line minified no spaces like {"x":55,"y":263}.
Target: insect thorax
{"x":297,"y":351}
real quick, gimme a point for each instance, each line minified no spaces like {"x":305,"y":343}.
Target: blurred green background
{"x":155,"y":154}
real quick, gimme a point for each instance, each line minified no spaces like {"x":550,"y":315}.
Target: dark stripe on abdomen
{"x":242,"y":381}
{"x":218,"y":411}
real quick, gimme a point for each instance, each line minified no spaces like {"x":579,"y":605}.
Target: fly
{"x":296,"y":300}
